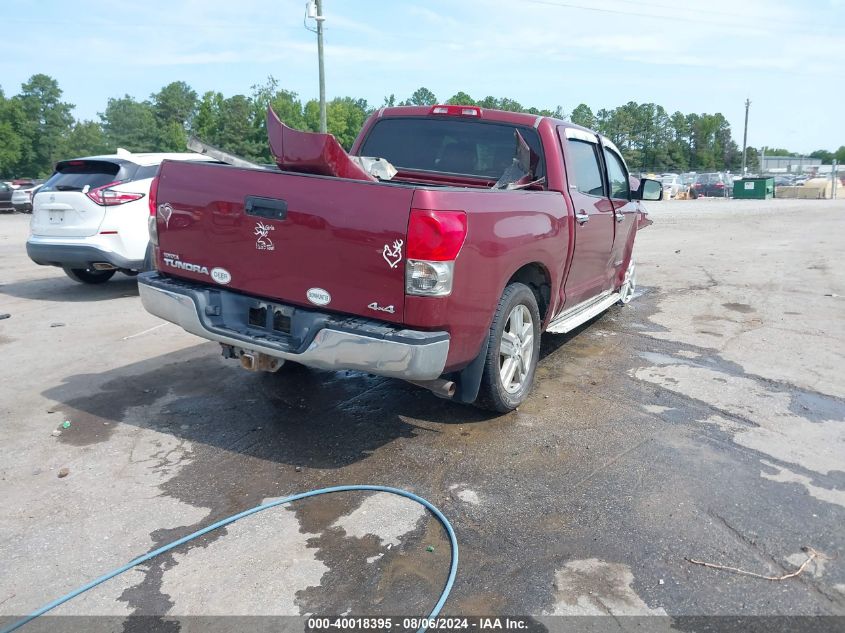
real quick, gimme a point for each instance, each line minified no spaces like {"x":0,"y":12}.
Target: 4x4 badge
{"x":375,"y":306}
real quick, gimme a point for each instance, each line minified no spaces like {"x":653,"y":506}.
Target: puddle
{"x":786,"y":476}
{"x":759,"y":417}
{"x":663,"y":359}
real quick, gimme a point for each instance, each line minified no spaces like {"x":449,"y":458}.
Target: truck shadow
{"x":300,"y":416}
{"x":60,"y":288}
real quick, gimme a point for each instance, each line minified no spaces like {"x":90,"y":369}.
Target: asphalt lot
{"x":706,"y":420}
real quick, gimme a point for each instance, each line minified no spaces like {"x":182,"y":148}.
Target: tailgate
{"x":66,"y":214}
{"x":321,"y":242}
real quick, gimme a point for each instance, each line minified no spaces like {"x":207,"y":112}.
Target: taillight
{"x":436,"y":235}
{"x":153,"y":195}
{"x":152,"y":221}
{"x":106,"y":197}
{"x":434,"y":240}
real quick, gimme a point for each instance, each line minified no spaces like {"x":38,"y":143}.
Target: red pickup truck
{"x":436,"y":251}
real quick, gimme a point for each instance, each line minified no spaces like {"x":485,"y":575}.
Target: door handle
{"x":270,"y":208}
{"x":619,"y":216}
{"x":582,"y":217}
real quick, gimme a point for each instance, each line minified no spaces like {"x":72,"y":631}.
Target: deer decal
{"x":393,"y":254}
{"x":264,"y":243}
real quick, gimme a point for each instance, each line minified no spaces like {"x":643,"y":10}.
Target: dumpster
{"x":754,"y":188}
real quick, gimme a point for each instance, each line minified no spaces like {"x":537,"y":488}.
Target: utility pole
{"x":835,"y":179}
{"x":314,"y":11}
{"x":744,"y":136}
{"x":320,"y":20}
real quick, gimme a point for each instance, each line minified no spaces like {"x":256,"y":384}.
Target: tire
{"x":629,"y":283}
{"x":85,"y":276}
{"x":494,"y":394}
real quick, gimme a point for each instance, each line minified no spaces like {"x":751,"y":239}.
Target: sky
{"x":786,"y":56}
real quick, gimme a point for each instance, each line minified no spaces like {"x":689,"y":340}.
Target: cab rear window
{"x":75,"y":175}
{"x":472,"y":148}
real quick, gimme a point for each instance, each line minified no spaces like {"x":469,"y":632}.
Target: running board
{"x":583,"y":312}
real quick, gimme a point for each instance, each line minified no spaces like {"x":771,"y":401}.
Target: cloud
{"x":432,"y":17}
{"x":538,"y":54}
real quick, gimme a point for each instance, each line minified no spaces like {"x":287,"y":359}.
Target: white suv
{"x":90,"y":217}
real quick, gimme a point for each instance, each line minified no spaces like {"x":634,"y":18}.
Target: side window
{"x":620,"y":189}
{"x":146,"y":171}
{"x":586,"y":167}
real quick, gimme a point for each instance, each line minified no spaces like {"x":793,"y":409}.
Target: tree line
{"x":37,"y":128}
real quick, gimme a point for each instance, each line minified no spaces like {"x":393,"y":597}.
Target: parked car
{"x":495,"y":227}
{"x":671,"y":185}
{"x":714,"y":184}
{"x":6,"y":197}
{"x":90,"y":216}
{"x":22,"y":197}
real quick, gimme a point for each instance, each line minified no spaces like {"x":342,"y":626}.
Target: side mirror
{"x":649,"y":190}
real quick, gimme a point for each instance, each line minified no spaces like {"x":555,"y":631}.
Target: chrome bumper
{"x":417,"y":356}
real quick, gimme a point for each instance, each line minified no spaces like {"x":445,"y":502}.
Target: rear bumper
{"x":315,"y":339}
{"x":48,"y":252}
{"x":22,"y":207}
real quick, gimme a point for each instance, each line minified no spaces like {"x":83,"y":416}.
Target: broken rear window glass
{"x":455,"y":146}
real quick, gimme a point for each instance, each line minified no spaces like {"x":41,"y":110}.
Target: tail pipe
{"x":439,"y":387}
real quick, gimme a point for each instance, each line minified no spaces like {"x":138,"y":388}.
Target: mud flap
{"x":469,"y":379}
{"x":149,"y":259}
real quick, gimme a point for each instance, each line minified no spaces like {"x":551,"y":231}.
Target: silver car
{"x":671,"y":185}
{"x":22,"y":198}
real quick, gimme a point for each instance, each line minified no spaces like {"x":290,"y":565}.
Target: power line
{"x":790,"y":23}
{"x":638,"y":14}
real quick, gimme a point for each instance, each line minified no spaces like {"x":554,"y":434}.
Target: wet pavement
{"x":705,"y":420}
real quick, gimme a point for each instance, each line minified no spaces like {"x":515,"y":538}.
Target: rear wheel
{"x":629,"y":283}
{"x":87,"y":276}
{"x":512,"y":352}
